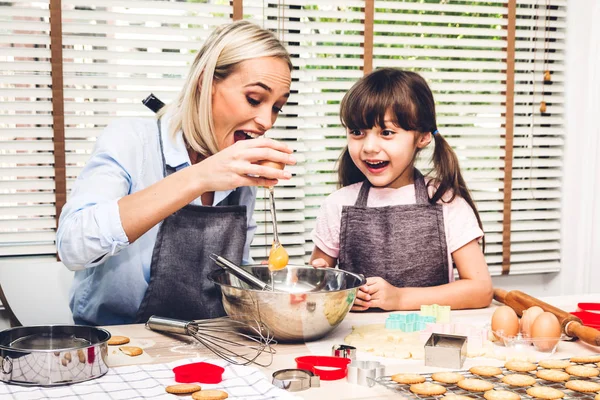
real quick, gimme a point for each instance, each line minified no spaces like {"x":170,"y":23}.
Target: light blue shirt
{"x":112,"y":275}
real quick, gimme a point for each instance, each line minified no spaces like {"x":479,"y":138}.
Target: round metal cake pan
{"x":52,"y":355}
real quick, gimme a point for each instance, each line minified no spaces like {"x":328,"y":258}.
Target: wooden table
{"x":162,"y":349}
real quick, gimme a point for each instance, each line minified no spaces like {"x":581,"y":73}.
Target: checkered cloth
{"x":149,"y":382}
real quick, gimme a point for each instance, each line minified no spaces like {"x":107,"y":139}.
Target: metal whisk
{"x":225,"y":337}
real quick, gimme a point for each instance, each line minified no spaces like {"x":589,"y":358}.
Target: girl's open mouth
{"x":243,"y":135}
{"x":376,"y":166}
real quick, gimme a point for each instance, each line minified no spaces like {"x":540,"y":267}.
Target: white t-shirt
{"x":460,"y":223}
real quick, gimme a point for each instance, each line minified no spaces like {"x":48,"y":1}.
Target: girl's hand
{"x":235,"y":166}
{"x":320,"y":259}
{"x":319,"y":263}
{"x":377,"y":292}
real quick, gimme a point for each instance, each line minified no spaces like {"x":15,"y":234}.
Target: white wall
{"x":582,"y":207}
{"x":581,"y":179}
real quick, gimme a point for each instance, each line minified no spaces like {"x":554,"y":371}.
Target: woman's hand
{"x":235,"y":166}
{"x":377,"y":293}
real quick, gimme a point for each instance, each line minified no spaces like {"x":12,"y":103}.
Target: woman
{"x":157,"y":198}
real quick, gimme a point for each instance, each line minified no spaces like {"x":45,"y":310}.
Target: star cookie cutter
{"x":412,"y":322}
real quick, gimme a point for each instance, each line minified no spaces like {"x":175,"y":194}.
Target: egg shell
{"x":505,"y":322}
{"x":545,"y":331}
{"x":527,"y":319}
{"x":278,"y":258}
{"x":271,"y":164}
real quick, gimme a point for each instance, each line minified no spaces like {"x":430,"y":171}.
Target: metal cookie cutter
{"x":365,"y":372}
{"x":445,"y":351}
{"x":295,"y":380}
{"x":345,"y":351}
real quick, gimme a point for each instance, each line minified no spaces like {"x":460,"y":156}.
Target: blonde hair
{"x":225,"y":48}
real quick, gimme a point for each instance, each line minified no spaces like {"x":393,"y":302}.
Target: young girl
{"x":388,"y":222}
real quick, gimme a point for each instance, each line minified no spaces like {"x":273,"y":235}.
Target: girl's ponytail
{"x":447,"y":176}
{"x":348,"y":172}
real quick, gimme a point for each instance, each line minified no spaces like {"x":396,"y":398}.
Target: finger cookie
{"x":408,"y":379}
{"x":544,"y":392}
{"x":447,"y":377}
{"x":554,"y":364}
{"x":184,"y":388}
{"x":501,"y":395}
{"x":582,"y":371}
{"x":520,"y":366}
{"x":586,"y":359}
{"x":131,"y":351}
{"x":582,"y":386}
{"x":81,"y":356}
{"x":427,"y":389}
{"x":597,"y":397}
{"x":118,"y":340}
{"x":518,"y":380}
{"x":485,"y":371}
{"x":475,"y":385}
{"x":552,"y":375}
{"x":211,"y":394}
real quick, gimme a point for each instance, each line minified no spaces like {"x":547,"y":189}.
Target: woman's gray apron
{"x":178,"y":286}
{"x":404,"y":244}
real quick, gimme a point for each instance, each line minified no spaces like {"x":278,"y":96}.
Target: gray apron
{"x":404,"y":244}
{"x":179,"y":287}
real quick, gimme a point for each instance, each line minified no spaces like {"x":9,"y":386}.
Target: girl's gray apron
{"x":405,"y":244}
{"x":178,"y":286}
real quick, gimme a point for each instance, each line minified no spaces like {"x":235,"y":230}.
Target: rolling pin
{"x":570,"y":324}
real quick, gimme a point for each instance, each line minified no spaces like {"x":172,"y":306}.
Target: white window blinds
{"x":116,"y":52}
{"x":27,"y":212}
{"x":289,"y":195}
{"x":539,"y":135}
{"x":460,"y":48}
{"x":324,"y":40}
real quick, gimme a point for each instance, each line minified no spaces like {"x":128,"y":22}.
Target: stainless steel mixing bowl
{"x":306,"y":304}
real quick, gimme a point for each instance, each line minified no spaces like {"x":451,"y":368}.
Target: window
{"x":116,"y":53}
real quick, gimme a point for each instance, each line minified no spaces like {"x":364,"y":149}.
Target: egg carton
{"x":522,"y":344}
{"x":452,"y":389}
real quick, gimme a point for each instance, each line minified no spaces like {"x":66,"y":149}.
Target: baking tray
{"x":51,"y":355}
{"x":452,"y":389}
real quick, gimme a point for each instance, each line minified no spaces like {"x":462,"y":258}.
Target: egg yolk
{"x":278,"y":258}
